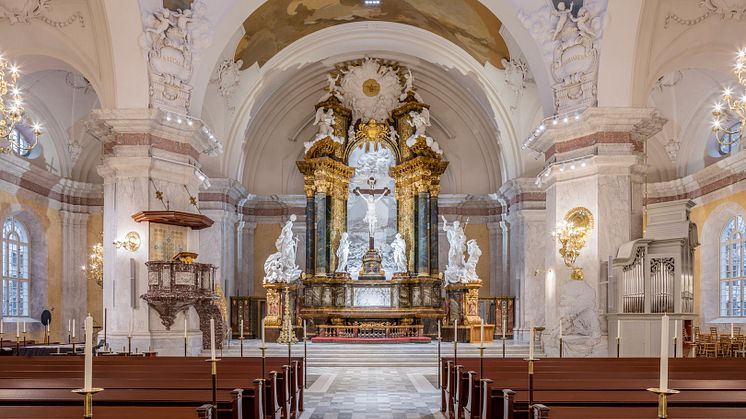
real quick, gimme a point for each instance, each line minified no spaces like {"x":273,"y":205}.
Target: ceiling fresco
{"x":278,"y":23}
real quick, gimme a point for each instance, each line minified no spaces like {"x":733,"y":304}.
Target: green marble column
{"x":422,"y":251}
{"x":321,"y":233}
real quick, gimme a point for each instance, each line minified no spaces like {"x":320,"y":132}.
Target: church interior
{"x":342,"y":209}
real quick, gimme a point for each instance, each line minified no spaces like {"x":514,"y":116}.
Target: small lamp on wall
{"x":131,"y":242}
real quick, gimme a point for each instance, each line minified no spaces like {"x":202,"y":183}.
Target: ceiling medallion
{"x":371,"y":88}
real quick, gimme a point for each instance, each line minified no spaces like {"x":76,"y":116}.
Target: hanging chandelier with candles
{"x":12,"y":113}
{"x":733,"y":105}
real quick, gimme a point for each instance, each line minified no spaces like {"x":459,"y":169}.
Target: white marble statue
{"x":471,"y":263}
{"x":409,"y":87}
{"x":370,"y":214}
{"x":420,"y":121}
{"x":343,"y":253}
{"x":280,"y":266}
{"x":325,"y":121}
{"x":457,"y":243}
{"x":564,"y":13}
{"x":332,"y":89}
{"x":399,"y":248}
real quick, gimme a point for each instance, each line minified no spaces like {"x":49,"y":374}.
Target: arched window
{"x":733,"y":268}
{"x":731,"y":140}
{"x":15,"y":248}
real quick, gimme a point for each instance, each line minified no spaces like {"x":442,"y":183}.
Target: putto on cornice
{"x":35,"y":10}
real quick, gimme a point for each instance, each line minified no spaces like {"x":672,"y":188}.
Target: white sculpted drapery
{"x":343,"y":252}
{"x":280,"y":266}
{"x":399,"y":248}
{"x":458,"y":270}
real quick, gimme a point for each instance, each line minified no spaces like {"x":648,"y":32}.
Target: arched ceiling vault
{"x":292,"y":82}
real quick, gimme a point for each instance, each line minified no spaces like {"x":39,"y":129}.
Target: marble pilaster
{"x":74,"y":258}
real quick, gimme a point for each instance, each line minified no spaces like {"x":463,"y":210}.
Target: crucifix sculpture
{"x":371,"y":200}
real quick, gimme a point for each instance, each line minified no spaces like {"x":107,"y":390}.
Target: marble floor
{"x":371,"y":393}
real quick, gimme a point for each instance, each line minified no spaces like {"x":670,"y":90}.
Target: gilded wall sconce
{"x":131,"y":242}
{"x":571,"y":233}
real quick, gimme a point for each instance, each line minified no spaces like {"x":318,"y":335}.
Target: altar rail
{"x":370,"y":331}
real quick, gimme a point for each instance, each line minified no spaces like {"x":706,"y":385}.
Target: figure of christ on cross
{"x":371,"y":200}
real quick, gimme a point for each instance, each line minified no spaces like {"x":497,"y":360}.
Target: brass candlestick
{"x":1,"y":341}
{"x":18,"y":349}
{"x":185,"y":346}
{"x":503,"y":345}
{"x":88,"y":399}
{"x":287,"y":334}
{"x":24,"y":339}
{"x":675,"y":345}
{"x":129,"y":345}
{"x":663,"y":400}
{"x":214,"y":376}
{"x":305,"y":361}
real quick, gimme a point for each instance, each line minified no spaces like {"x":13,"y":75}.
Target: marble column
{"x":310,"y":234}
{"x":423,"y":234}
{"x":321,"y":233}
{"x":74,"y":257}
{"x":245,"y":257}
{"x":218,"y":247}
{"x":434,"y":235}
{"x":496,"y":250}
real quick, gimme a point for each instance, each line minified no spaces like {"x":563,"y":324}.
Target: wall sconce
{"x":131,"y":242}
{"x":571,"y":233}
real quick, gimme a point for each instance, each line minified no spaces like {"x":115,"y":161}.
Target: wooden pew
{"x":603,"y":384}
{"x":47,"y":381}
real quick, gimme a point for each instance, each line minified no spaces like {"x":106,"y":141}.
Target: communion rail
{"x":371,"y":331}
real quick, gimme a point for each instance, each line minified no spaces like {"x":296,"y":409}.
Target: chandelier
{"x":12,"y":113}
{"x":731,"y":105}
{"x":95,"y":268}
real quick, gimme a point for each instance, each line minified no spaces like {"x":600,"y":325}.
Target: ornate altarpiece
{"x":374,"y":105}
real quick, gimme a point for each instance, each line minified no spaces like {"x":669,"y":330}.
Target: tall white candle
{"x":69,"y":326}
{"x":132,"y":323}
{"x":675,"y":328}
{"x":212,"y":338}
{"x":18,"y":329}
{"x":731,"y":330}
{"x":455,"y":331}
{"x":263,"y":330}
{"x":560,"y":328}
{"x":438,"y":329}
{"x":618,"y":329}
{"x":1,"y":325}
{"x":185,"y":326}
{"x":663,"y":385}
{"x":24,"y":329}
{"x":47,"y":327}
{"x":304,"y":330}
{"x":73,"y":328}
{"x":504,"y":327}
{"x":240,"y":326}
{"x":88,"y":377}
{"x":531,"y":342}
{"x":481,"y":334}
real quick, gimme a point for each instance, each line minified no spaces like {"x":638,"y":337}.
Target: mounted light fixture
{"x":95,"y":268}
{"x":131,"y":242}
{"x":727,"y":133}
{"x":12,"y":113}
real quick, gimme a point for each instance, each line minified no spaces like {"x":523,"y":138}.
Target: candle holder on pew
{"x":305,"y":359}
{"x":263,"y":348}
{"x":214,"y":379}
{"x":24,"y":338}
{"x":531,"y":361}
{"x":561,"y":344}
{"x":663,"y":395}
{"x":185,"y":346}
{"x":1,"y":341}
{"x":46,"y":338}
{"x":618,"y":346}
{"x":503,"y":344}
{"x":440,"y":338}
{"x":240,"y":340}
{"x":129,"y":345}
{"x":675,"y":345}
{"x":18,"y":348}
{"x":481,"y":360}
{"x":88,"y":399}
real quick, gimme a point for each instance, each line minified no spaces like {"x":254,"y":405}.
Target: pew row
{"x":596,"y":387}
{"x":41,"y":386}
